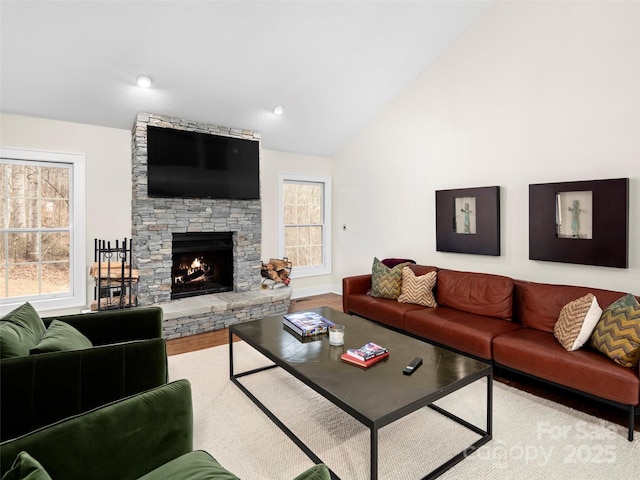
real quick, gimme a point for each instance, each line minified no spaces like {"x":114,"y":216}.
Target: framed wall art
{"x":468,"y":220}
{"x":584,"y":222}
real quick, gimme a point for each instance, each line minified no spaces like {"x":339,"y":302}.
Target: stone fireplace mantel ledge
{"x":221,"y":302}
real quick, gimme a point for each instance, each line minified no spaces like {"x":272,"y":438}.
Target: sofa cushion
{"x":418,"y":290}
{"x":420,"y":270}
{"x":386,"y":282}
{"x":198,"y":465}
{"x":26,"y":467}
{"x":20,"y":329}
{"x":539,"y":354}
{"x":382,"y":310}
{"x":540,"y":303}
{"x":463,"y":331}
{"x":478,"y":293}
{"x":59,"y":337}
{"x":576,"y":322}
{"x":317,"y":472}
{"x":617,"y":335}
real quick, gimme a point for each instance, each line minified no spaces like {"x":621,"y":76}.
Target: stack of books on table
{"x":306,"y":324}
{"x":365,"y":356}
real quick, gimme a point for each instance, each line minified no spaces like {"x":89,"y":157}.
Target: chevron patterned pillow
{"x":617,"y":334}
{"x":418,"y":290}
{"x":386,"y":282}
{"x":576,"y":322}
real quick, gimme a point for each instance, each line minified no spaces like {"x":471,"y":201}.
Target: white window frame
{"x":325,"y":268}
{"x":77,"y":296}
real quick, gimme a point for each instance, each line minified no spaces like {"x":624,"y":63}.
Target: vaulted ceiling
{"x":332,"y":64}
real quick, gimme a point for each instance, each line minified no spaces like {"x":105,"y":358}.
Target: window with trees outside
{"x":42,"y":239}
{"x":306,"y":223}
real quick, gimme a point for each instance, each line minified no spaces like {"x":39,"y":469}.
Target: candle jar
{"x":336,"y":334}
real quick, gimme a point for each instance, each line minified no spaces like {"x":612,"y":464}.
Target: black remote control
{"x":413,"y":366}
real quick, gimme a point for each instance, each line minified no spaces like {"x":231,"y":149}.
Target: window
{"x":305,"y":209}
{"x":42,"y":232}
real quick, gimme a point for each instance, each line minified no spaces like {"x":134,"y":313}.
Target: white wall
{"x":274,"y":163}
{"x":533,"y":92}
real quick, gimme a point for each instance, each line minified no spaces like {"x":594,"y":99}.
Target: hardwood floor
{"x":558,"y":395}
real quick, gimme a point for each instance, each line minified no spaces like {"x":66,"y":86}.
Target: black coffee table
{"x":351,"y":388}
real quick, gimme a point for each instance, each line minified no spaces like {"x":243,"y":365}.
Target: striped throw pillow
{"x":576,"y":322}
{"x":386,"y":282}
{"x":418,"y":290}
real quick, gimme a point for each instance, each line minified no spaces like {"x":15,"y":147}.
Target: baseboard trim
{"x":313,"y":291}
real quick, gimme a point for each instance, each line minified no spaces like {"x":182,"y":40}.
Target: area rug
{"x":533,"y":438}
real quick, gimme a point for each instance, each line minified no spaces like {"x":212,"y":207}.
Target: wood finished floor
{"x":558,"y":395}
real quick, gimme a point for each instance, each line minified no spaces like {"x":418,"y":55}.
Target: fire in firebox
{"x":197,"y":271}
{"x":202,"y":263}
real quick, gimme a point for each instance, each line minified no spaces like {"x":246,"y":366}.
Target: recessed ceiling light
{"x":278,"y":109}
{"x":143,"y":81}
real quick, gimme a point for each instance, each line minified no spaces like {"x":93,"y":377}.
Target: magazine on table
{"x":367,"y":351}
{"x":345,"y":357}
{"x":301,"y":339}
{"x":307,"y":324}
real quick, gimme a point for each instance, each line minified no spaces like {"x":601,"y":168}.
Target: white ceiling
{"x":332,"y":64}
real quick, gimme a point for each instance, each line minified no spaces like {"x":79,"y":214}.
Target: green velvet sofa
{"x":147,"y":436}
{"x":113,"y":354}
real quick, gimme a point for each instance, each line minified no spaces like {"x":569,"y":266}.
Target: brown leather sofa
{"x":508,"y":323}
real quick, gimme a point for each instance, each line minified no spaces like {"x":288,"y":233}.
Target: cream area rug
{"x":533,"y":438}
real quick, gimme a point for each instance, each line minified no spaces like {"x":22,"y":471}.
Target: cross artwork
{"x":465,"y":215}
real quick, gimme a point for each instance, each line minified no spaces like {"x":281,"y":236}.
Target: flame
{"x":195,"y":265}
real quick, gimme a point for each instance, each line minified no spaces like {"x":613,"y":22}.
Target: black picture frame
{"x":484,"y":235}
{"x":608,"y":243}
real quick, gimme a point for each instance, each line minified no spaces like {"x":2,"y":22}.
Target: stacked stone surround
{"x":155,"y":220}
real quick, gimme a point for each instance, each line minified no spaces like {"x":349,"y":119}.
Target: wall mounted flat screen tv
{"x":185,"y":164}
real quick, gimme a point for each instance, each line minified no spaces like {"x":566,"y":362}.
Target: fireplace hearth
{"x":202,"y":263}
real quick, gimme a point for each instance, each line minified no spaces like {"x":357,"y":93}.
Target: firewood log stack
{"x":277,"y":270}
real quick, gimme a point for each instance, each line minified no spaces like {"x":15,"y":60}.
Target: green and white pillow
{"x":386,"y":282}
{"x":617,"y":334}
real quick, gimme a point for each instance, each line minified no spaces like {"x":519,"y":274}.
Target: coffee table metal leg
{"x":490,"y":406}
{"x":230,"y":354}
{"x":374,"y":452}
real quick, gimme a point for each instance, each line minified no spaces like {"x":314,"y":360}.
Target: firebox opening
{"x":202,"y":263}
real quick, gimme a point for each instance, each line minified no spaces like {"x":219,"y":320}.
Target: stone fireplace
{"x":157,"y":222}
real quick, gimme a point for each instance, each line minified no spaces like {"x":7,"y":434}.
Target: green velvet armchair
{"x":148,"y":436}
{"x":123,"y":354}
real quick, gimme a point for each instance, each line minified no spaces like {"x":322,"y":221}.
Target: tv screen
{"x":200,"y":165}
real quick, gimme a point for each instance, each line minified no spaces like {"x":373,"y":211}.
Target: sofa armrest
{"x":122,"y":440}
{"x":354,"y":285}
{"x":40,"y":389}
{"x":112,"y":326}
